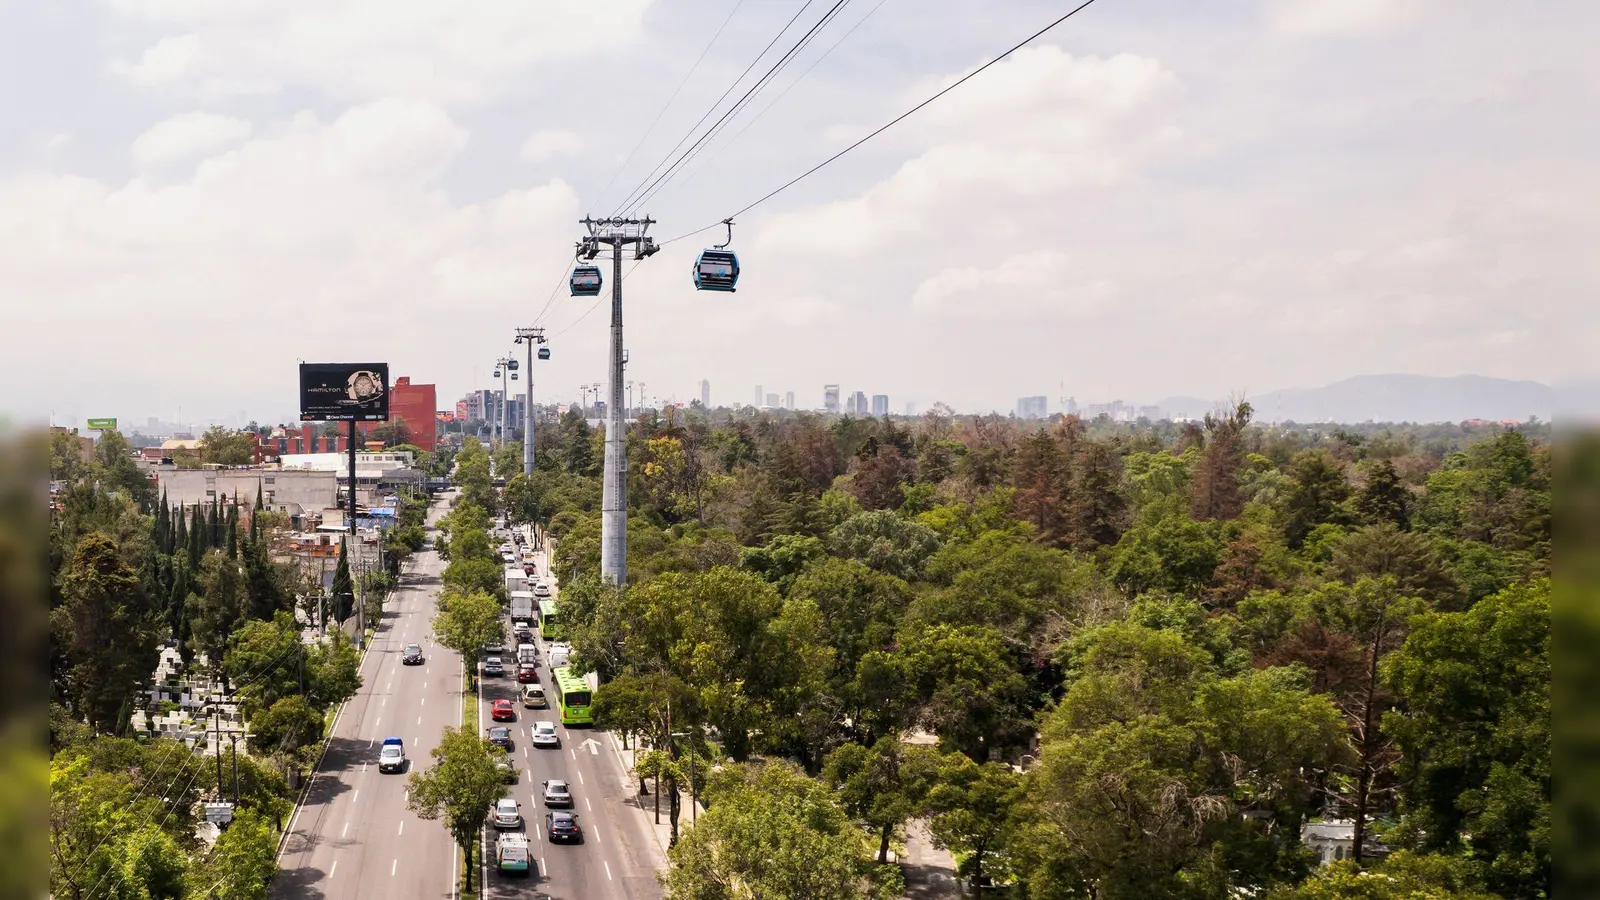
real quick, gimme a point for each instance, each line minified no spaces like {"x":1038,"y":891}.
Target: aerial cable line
{"x":761,"y":83}
{"x":713,"y":108}
{"x":890,"y":124}
{"x":749,"y":96}
{"x":740,"y":133}
{"x":595,"y":305}
{"x":668,"y":105}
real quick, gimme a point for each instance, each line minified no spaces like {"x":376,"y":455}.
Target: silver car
{"x":557,"y":793}
{"x":507,"y":814}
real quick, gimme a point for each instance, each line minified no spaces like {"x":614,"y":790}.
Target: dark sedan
{"x":500,"y":736}
{"x":564,"y":827}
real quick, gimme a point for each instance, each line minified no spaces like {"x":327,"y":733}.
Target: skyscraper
{"x":788,"y":400}
{"x":772,"y":400}
{"x":830,"y":397}
{"x":759,"y":396}
{"x":858,"y":404}
{"x":880,"y":404}
{"x":705,"y":393}
{"x":1033,"y":407}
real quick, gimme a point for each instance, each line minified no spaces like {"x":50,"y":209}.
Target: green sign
{"x":102,"y":424}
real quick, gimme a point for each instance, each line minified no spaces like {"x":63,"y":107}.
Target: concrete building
{"x":788,"y":400}
{"x":880,"y":404}
{"x":858,"y":404}
{"x":1033,"y":407}
{"x":1336,"y":840}
{"x":295,"y":492}
{"x":830,"y":398}
{"x":772,"y":400}
{"x":705,"y":393}
{"x":759,"y":395}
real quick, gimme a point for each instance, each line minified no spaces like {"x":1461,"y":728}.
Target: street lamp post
{"x":693,"y":801}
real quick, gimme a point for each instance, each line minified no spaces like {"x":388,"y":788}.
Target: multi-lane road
{"x":617,"y":858}
{"x":354,"y":838}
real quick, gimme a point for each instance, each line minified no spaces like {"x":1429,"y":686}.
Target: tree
{"x":774,"y":833}
{"x":110,"y":628}
{"x":1317,"y":492}
{"x":973,"y":809}
{"x":460,"y":787}
{"x":467,"y":622}
{"x":1403,"y":876}
{"x":266,"y":662}
{"x":343,"y":594}
{"x":1475,"y":735}
{"x":286,"y":726}
{"x":116,"y":469}
{"x":1215,"y":490}
{"x":333,"y":672}
{"x":880,"y":479}
{"x":224,"y":446}
{"x":242,"y":863}
{"x":1383,"y":498}
{"x":883,"y":785}
{"x":885,"y":542}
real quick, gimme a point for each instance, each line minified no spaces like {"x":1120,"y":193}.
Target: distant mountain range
{"x":1391,"y":398}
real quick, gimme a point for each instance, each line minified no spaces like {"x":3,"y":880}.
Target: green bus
{"x":573,"y":696}
{"x":549,"y":622}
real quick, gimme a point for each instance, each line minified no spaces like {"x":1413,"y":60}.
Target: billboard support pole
{"x":361,"y":618}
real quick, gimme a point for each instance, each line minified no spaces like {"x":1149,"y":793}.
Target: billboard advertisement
{"x":102,"y":424}
{"x":344,"y":392}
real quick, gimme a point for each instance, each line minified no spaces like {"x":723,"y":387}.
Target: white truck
{"x":516,"y":579}
{"x":522,"y":607}
{"x":511,"y":853}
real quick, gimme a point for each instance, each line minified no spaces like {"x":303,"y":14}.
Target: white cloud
{"x":1035,"y":287}
{"x":363,"y":49}
{"x":317,"y":239}
{"x":1341,"y":18}
{"x":186,"y":135}
{"x":546,"y":145}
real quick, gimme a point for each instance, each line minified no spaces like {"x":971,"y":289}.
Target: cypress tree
{"x":259,"y":505}
{"x":233,"y":530}
{"x":344,"y":594}
{"x":215,"y":523}
{"x":180,"y":531}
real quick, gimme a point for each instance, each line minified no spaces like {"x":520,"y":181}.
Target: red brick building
{"x":416,"y":404}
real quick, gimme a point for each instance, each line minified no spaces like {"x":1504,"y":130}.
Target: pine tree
{"x":344,"y":601}
{"x":1383,"y":498}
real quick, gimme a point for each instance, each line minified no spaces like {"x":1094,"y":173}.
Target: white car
{"x":507,"y":814}
{"x":544,"y":735}
{"x":557,"y":793}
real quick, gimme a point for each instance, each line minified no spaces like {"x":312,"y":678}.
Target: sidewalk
{"x":662,"y":832}
{"x":930,"y":872}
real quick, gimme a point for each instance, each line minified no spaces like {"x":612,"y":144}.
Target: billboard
{"x":102,"y":424}
{"x":344,"y":392}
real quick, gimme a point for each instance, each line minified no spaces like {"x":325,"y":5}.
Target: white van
{"x":512,"y":854}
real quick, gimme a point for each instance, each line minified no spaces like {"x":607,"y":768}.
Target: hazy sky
{"x":1160,"y":197}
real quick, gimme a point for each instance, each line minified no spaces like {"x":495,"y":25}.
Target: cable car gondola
{"x":717,"y":269}
{"x":511,"y":364}
{"x":544,"y":352}
{"x":586,"y":281}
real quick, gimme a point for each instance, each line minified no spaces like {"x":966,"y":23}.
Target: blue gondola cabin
{"x":586,"y":281}
{"x":716,"y":270}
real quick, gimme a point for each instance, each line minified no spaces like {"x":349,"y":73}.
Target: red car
{"x":528,"y":673}
{"x":503,"y":711}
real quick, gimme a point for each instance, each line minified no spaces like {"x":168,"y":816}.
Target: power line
{"x":740,"y":133}
{"x":626,"y":200}
{"x":890,"y":124}
{"x":668,"y":105}
{"x":739,"y":105}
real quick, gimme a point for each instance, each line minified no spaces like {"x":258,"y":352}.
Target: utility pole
{"x":529,"y":336}
{"x":502,"y":369}
{"x":617,"y":234}
{"x":355,"y":545}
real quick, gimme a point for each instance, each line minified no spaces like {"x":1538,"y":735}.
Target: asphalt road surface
{"x":615,"y":860}
{"x":353,"y":838}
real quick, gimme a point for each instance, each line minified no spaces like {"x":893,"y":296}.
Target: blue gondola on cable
{"x":544,"y":352}
{"x":717,"y":269}
{"x":586,"y":281}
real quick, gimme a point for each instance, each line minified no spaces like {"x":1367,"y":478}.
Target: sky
{"x":1156,"y":198}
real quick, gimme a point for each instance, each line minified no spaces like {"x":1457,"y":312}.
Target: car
{"x":500,"y":736}
{"x":392,"y":758}
{"x":557,"y":793}
{"x":507,"y":814}
{"x":544,"y":735}
{"x":524,"y":634}
{"x":503,"y":711}
{"x":533,"y":697}
{"x":511,"y":854}
{"x":541,"y":590}
{"x":508,"y":769}
{"x":528,"y":673}
{"x":411,"y":655}
{"x":563,"y":826}
{"x":494,"y":665}
{"x":495,"y":649}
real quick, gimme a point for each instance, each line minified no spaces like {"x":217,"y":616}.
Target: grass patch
{"x":477,"y":876}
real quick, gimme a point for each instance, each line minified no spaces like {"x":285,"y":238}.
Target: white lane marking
{"x":608,"y":869}
{"x":344,"y":830}
{"x":355,"y":795}
{"x":375,"y":726}
{"x":419,"y":720}
{"x":424,"y":684}
{"x":538,"y":831}
{"x":594,"y":834}
{"x":402,"y":827}
{"x":580,"y":777}
{"x":384,"y":702}
{"x":370,"y":742}
{"x":389,"y":684}
{"x":333,"y":869}
{"x":587,"y":805}
{"x":422,"y":701}
{"x":542,"y":870}
{"x":363,"y":767}
{"x":394,"y":865}
{"x":573,"y":752}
